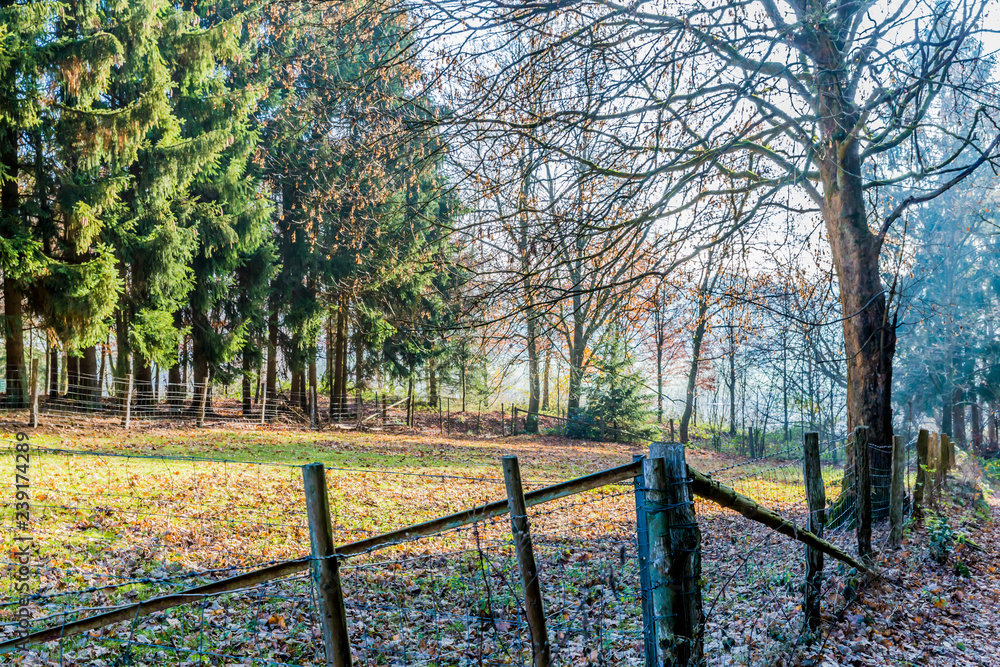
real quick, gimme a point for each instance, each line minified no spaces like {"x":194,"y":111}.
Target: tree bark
{"x":696,"y":341}
{"x":545,"y":379}
{"x":200,"y":328}
{"x":89,"y":382}
{"x":534,"y":389}
{"x":270,"y":390}
{"x":958,"y":417}
{"x":976,"y":426}
{"x":13,"y":336}
{"x":246,"y":389}
{"x":432,"y":386}
{"x":869,"y":335}
{"x":73,"y":377}
{"x":53,"y":372}
{"x":176,"y":389}
{"x":732,"y":382}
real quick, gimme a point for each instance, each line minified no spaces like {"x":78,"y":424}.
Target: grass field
{"x":125,"y":516}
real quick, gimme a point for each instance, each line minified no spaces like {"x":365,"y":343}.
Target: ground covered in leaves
{"x":124,"y":516}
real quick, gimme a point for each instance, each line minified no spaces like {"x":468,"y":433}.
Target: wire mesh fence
{"x":114,"y":529}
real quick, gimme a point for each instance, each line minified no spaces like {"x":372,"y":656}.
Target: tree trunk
{"x":73,"y":377}
{"x":247,"y":389}
{"x":432,"y":386}
{"x":296,"y":367}
{"x":14,"y":339}
{"x":947,"y":411}
{"x":270,"y":389}
{"x":176,"y":389}
{"x":53,"y":372}
{"x":545,"y":379}
{"x":338,"y":404}
{"x":575,"y":369}
{"x":313,"y":409}
{"x":869,"y":336}
{"x":696,"y":340}
{"x":200,"y":329}
{"x":534,"y":389}
{"x":732,"y":382}
{"x":958,"y":417}
{"x":976,"y":427}
{"x":143,"y":378}
{"x":991,"y":426}
{"x":89,"y":382}
{"x":659,"y":369}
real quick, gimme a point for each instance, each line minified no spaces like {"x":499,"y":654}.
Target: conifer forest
{"x":757,"y":241}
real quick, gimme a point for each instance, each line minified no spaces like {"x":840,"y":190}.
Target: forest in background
{"x":471,"y":199}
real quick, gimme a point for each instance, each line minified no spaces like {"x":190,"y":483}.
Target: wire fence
{"x":115,"y":529}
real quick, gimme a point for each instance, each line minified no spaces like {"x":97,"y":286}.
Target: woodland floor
{"x":160,"y":517}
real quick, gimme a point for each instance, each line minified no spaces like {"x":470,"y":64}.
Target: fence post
{"x":675,"y":556}
{"x":947,"y":457}
{"x":533,"y":609}
{"x":863,"y":493}
{"x":920,"y":485}
{"x":201,"y":403}
{"x":501,"y":421}
{"x":326,"y":568}
{"x":934,"y":466}
{"x":896,"y":491}
{"x":642,"y":542}
{"x":127,"y":421}
{"x":33,"y":405}
{"x":440,"y":417}
{"x":816,"y":499}
{"x":513,"y":420}
{"x":385,"y":409}
{"x":449,"y":414}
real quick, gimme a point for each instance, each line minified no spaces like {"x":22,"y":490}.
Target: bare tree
{"x":820,"y":94}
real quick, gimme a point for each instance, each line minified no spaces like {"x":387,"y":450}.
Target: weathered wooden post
{"x":920,"y":485}
{"x":934,"y":466}
{"x":533,"y":609}
{"x":947,"y":456}
{"x":863,"y":493}
{"x":33,"y":405}
{"x":385,"y":408}
{"x":127,"y":418}
{"x":642,"y":542}
{"x":202,"y":402}
{"x":449,"y":414}
{"x":675,"y":557}
{"x":360,"y":401}
{"x":501,"y":421}
{"x":326,"y":567}
{"x":896,"y":491}
{"x":816,"y":501}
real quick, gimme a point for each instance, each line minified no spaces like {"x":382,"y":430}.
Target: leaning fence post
{"x":201,"y":404}
{"x":33,"y":416}
{"x":896,"y":491}
{"x":642,"y":541}
{"x":326,"y":567}
{"x":816,"y":500}
{"x":863,"y":492}
{"x":675,"y":555}
{"x":533,"y":609}
{"x":947,"y":457}
{"x":127,"y":420}
{"x":920,"y":485}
